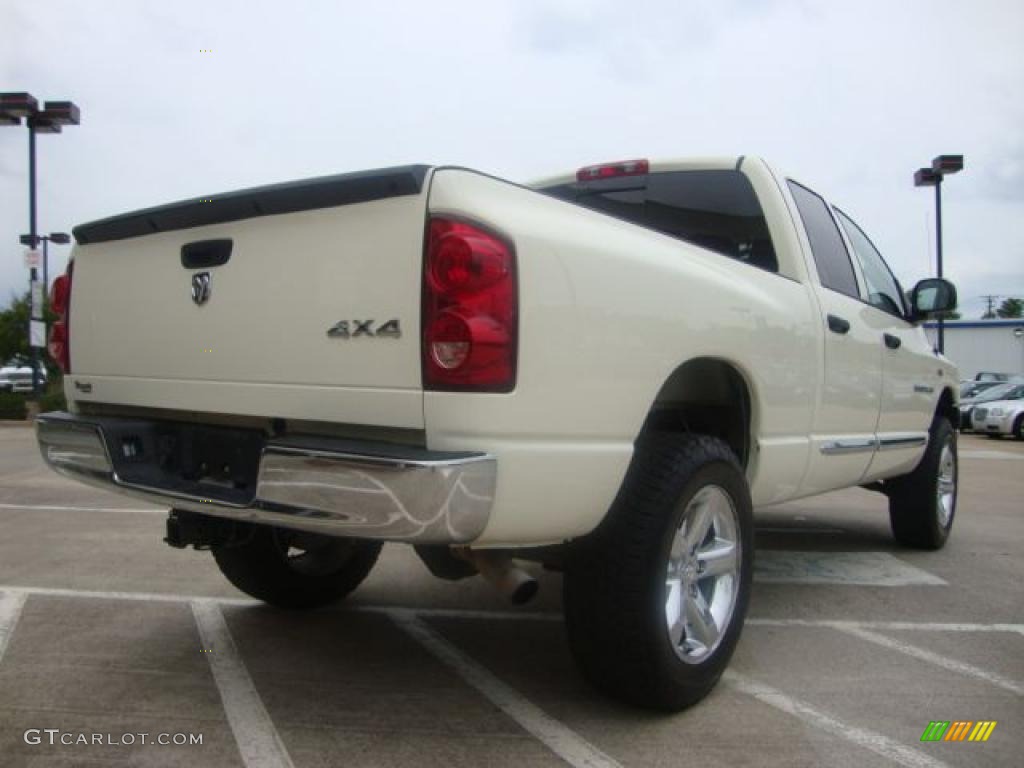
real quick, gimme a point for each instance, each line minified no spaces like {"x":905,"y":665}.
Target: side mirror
{"x":931,"y":298}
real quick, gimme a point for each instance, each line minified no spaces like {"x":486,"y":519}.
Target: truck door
{"x":911,"y":376}
{"x":846,"y":413}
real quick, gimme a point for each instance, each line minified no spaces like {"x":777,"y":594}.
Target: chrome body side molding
{"x":848,"y":445}
{"x":895,"y":441}
{"x":887,"y":442}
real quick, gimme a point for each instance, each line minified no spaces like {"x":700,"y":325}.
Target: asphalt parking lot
{"x":852,"y":647}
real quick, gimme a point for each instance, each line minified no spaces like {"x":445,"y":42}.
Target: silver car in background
{"x":1000,"y":417}
{"x":1013,"y":390}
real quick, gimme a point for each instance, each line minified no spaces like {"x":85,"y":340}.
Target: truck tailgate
{"x":304,"y":257}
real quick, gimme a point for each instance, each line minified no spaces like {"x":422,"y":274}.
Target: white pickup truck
{"x":604,"y":372}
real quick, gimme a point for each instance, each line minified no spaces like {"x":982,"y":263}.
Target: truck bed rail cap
{"x":288,"y":197}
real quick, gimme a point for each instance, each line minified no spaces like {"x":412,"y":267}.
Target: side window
{"x":717,"y":210}
{"x":883,"y":290}
{"x":834,"y":265}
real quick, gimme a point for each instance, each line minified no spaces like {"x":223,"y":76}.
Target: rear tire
{"x":296,"y":570}
{"x":650,"y":621}
{"x":1018,"y":427}
{"x":922,"y":504}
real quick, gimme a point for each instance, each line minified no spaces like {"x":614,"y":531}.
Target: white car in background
{"x":19,"y":379}
{"x":1000,"y":417}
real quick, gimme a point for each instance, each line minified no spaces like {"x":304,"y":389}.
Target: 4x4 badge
{"x":200,"y":287}
{"x":351,"y":329}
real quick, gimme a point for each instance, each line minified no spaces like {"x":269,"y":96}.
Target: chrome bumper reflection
{"x":341,"y":493}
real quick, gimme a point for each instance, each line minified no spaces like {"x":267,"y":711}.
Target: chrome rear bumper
{"x":333,"y":487}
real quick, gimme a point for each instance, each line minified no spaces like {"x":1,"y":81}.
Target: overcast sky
{"x":849,"y":97}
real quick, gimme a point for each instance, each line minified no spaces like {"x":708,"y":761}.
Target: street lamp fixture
{"x":50,"y":119}
{"x":59,"y":238}
{"x":943,"y":165}
{"x":926,"y":177}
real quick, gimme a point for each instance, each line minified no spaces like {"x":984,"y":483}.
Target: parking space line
{"x":53,"y":508}
{"x":871,"y":740}
{"x":258,"y":741}
{"x":869,"y":569}
{"x":483,"y":614}
{"x":145,"y":597}
{"x":931,"y":657}
{"x":11,"y":604}
{"x":989,"y":455}
{"x":466,"y":613}
{"x":923,"y":626}
{"x":557,"y":737}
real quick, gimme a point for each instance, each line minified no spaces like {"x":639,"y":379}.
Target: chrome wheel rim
{"x":703,"y":574}
{"x":945,"y":500}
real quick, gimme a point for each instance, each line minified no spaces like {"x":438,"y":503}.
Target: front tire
{"x":296,"y":570}
{"x":922,"y":504}
{"x":655,"y":598}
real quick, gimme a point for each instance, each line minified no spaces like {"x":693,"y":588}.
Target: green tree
{"x":14,"y":334}
{"x":14,"y":330}
{"x":1011,"y":308}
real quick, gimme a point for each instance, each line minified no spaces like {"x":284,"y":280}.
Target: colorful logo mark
{"x":958,"y":730}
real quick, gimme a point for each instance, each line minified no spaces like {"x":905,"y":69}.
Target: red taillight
{"x":59,"y":344}
{"x":612,"y":170}
{"x":469,"y":309}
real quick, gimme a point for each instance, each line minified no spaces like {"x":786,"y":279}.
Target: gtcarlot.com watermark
{"x":54,"y":737}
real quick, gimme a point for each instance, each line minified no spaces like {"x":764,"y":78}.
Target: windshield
{"x":1002,"y":392}
{"x":976,"y":388}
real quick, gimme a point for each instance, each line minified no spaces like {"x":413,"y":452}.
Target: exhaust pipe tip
{"x":518,"y":586}
{"x":525,"y":592}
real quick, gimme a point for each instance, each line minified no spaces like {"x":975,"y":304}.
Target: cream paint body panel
{"x":913,"y":380}
{"x":259,"y":345}
{"x":608,"y":311}
{"x":847,"y":411}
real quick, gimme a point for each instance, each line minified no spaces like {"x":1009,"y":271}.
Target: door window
{"x":883,"y":290}
{"x":834,"y":266}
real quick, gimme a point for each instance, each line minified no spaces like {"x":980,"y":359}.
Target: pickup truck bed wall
{"x":610,"y":311}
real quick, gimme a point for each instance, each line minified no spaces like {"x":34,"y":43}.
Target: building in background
{"x":983,"y":345}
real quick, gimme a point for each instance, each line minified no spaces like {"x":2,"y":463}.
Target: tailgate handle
{"x":205,"y":253}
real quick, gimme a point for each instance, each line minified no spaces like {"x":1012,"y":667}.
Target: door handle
{"x":892,"y":342}
{"x":837,"y":324}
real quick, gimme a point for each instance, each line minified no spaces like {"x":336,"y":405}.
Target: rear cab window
{"x":714,"y":209}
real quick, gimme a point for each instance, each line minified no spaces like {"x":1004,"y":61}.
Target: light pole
{"x":49,"y":119}
{"x":932,"y":177}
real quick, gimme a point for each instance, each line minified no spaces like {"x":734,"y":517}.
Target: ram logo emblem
{"x":353,"y":329}
{"x":201,"y":288}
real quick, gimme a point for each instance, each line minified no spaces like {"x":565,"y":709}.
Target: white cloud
{"x":850,"y":97}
